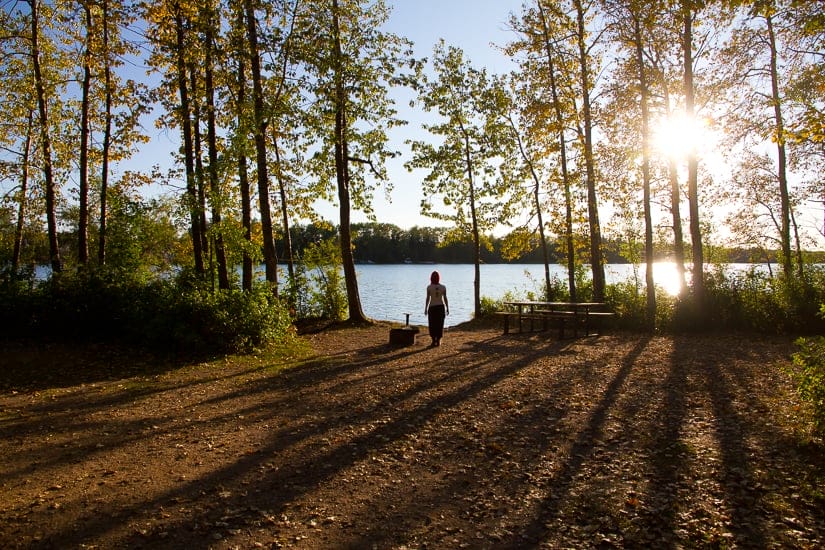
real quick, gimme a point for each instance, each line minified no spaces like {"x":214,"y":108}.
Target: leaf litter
{"x":489,"y":441}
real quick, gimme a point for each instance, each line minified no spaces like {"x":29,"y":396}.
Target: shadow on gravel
{"x":29,"y":366}
{"x":486,"y":442}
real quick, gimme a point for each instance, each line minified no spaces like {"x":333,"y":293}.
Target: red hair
{"x":435,"y":277}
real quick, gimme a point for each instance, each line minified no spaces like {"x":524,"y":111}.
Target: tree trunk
{"x":188,"y":149}
{"x":356,"y":313}
{"x":194,"y":103}
{"x":781,"y":169}
{"x":107,"y":137}
{"x":290,"y":259}
{"x":565,"y":177}
{"x":243,"y":172}
{"x":597,"y":264}
{"x":471,"y":193}
{"x":676,"y":214}
{"x":537,"y":201}
{"x":270,"y":255}
{"x":45,"y":142}
{"x":24,"y":190}
{"x":693,"y":164}
{"x":650,"y":317}
{"x":212,"y":145}
{"x":83,"y":168}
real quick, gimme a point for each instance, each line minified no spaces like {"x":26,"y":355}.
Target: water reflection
{"x":390,"y":291}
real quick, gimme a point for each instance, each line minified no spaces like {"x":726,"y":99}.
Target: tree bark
{"x":693,"y":163}
{"x":24,"y":189}
{"x":468,"y":160}
{"x":195,"y":109}
{"x":107,"y":137}
{"x":83,"y":168}
{"x":290,"y":259}
{"x":596,"y":261}
{"x":188,"y":148}
{"x":356,"y":313}
{"x":781,"y":168}
{"x":270,"y":255}
{"x":243,"y":172}
{"x":212,"y":145}
{"x":45,"y":141}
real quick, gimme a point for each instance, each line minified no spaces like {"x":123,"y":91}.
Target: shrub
{"x":324,"y":294}
{"x":162,"y":315}
{"x":809,"y":374}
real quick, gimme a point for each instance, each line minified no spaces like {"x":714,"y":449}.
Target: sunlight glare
{"x":677,"y":135}
{"x":667,"y":277}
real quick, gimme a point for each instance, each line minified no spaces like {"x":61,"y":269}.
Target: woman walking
{"x":436,"y":307}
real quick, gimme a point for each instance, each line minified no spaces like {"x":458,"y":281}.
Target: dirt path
{"x":488,"y":441}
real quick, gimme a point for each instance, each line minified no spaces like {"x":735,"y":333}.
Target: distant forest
{"x":383,"y":243}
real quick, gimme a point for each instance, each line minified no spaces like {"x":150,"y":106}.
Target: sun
{"x":678,"y":135}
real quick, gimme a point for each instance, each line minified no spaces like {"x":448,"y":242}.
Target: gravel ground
{"x":489,"y":441}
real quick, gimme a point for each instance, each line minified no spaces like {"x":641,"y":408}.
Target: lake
{"x":389,"y":291}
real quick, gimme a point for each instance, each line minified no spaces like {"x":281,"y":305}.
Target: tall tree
{"x":209,"y":21}
{"x":586,"y":62}
{"x":123,"y":100}
{"x":464,"y":166}
{"x":353,"y":65}
{"x":240,"y":140}
{"x":544,"y":53}
{"x":631,"y":24}
{"x":40,"y":86}
{"x":259,"y":116}
{"x":108,"y":100}
{"x":644,"y":100}
{"x":756,"y":48}
{"x":83,"y":169}
{"x":688,"y":10}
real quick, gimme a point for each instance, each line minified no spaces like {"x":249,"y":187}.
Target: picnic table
{"x":587,"y":316}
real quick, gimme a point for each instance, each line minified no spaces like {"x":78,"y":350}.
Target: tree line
{"x":282,"y":103}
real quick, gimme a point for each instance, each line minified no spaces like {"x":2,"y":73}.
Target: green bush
{"x":809,"y":374}
{"x":318,"y":289}
{"x":162,"y":315}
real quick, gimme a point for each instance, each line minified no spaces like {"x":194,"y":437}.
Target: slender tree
{"x":209,"y":21}
{"x":265,"y":209}
{"x":688,"y":12}
{"x":83,"y":169}
{"x":550,"y":50}
{"x":353,"y":64}
{"x":644,"y":100}
{"x":240,"y":140}
{"x":586,"y":89}
{"x":473,"y":138}
{"x":40,"y":86}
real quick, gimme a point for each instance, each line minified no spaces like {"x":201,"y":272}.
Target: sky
{"x":472,"y":25}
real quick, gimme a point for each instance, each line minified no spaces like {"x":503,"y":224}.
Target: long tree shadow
{"x":535,"y":530}
{"x":736,"y":478}
{"x":307,"y":434}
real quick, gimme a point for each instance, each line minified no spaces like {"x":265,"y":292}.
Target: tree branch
{"x":369,"y":163}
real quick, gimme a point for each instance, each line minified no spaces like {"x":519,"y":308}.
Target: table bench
{"x":560,"y":315}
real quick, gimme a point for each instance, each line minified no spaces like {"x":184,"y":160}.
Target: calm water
{"x":390,"y":291}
